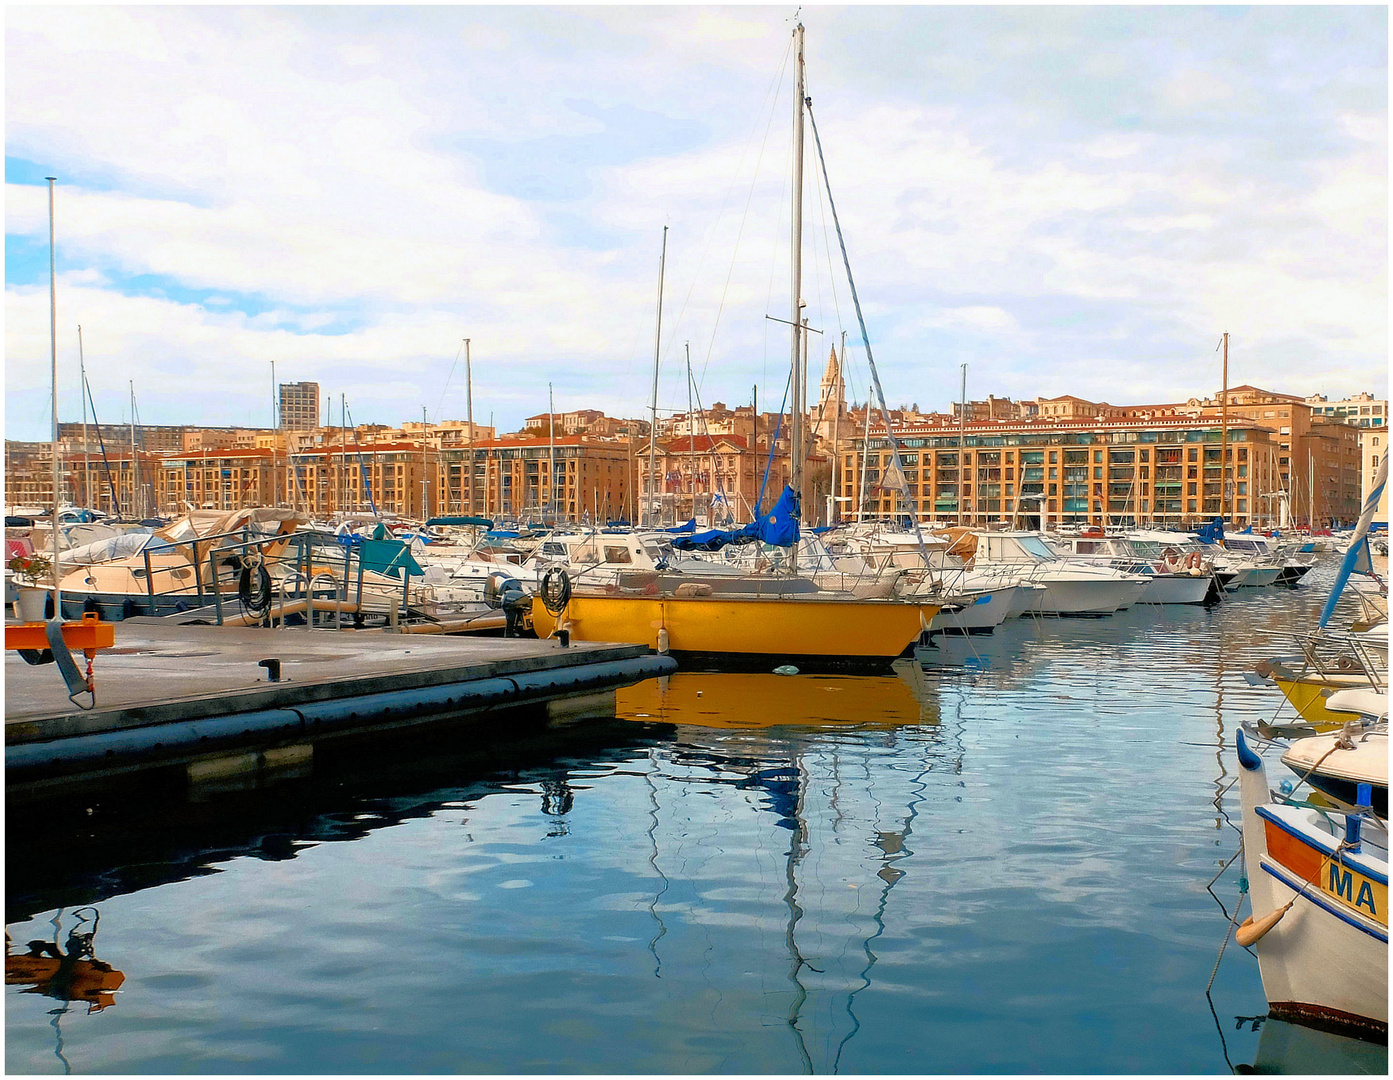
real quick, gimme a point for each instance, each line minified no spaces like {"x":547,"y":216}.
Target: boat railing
{"x":300,"y":568}
{"x":1325,"y":653}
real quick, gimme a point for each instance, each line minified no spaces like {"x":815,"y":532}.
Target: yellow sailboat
{"x":808,"y":630}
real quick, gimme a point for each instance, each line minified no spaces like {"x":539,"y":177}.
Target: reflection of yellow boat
{"x":807,"y":629}
{"x":721,"y":699}
{"x":90,"y":981}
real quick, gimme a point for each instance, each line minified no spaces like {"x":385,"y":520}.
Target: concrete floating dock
{"x":202,"y":696}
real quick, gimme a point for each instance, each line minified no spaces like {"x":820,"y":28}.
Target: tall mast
{"x":469,"y":417}
{"x":796,"y":287}
{"x":1224,"y":438}
{"x":691,"y":429}
{"x":653,"y":422}
{"x":53,"y":357}
{"x":1311,"y":480}
{"x":962,"y":445}
{"x":551,"y":454}
{"x":86,"y":450}
{"x":837,"y":385}
{"x":137,"y":503}
{"x":865,"y":457}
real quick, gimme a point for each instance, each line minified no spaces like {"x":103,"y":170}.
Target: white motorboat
{"x":1068,"y":589}
{"x":1172,"y":576}
{"x":1292,"y":564}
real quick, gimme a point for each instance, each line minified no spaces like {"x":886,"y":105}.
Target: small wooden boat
{"x":1319,"y":889}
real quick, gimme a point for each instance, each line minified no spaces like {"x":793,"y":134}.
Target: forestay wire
{"x":866,"y":341}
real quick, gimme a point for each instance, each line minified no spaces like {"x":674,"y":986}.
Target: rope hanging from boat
{"x":254,"y":586}
{"x":866,"y":339}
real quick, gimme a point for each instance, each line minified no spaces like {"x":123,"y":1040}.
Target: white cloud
{"x":332,"y":165}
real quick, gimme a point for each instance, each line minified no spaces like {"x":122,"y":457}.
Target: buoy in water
{"x":785,"y":669}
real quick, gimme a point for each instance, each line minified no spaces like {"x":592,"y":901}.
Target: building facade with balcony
{"x":1064,"y":471}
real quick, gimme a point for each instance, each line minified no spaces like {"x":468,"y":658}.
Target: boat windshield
{"x":1036,"y":547}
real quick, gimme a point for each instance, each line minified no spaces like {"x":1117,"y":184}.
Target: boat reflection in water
{"x":1297,"y":1050}
{"x":70,"y":973}
{"x":809,"y":749}
{"x":740,"y":700}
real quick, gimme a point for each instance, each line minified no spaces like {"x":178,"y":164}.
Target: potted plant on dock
{"x":31,"y":569}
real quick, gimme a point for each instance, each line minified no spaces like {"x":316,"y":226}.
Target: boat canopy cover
{"x":1213,"y":533}
{"x":779,"y":527}
{"x":119,"y":546}
{"x":461,"y":519}
{"x":689,"y":527}
{"x":389,"y":557}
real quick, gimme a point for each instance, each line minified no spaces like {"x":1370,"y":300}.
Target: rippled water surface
{"x":995,"y":862}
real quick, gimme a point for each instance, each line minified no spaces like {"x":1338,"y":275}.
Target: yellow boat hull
{"x":832,"y":630}
{"x":1307,"y":697}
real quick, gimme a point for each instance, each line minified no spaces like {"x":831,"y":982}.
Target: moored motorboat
{"x":1068,"y":589}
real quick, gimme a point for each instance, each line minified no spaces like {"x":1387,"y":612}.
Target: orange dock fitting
{"x":89,"y":635}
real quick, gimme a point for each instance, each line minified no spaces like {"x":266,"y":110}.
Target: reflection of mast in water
{"x":1220,"y":787}
{"x":797,"y":847}
{"x":653,"y":862}
{"x":893,"y":849}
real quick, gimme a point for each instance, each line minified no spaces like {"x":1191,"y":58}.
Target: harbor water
{"x":996,"y":860}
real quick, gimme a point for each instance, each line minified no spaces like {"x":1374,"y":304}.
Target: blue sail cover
{"x":690,"y":527}
{"x":779,"y":527}
{"x":1359,"y":547}
{"x":1213,"y":533}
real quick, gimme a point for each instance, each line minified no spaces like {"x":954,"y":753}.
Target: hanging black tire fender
{"x":555,"y":590}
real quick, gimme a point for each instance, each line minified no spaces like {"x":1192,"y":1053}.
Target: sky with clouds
{"x":1069,"y":200}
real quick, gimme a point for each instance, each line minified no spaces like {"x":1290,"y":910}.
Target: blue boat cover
{"x":389,"y":557}
{"x":690,"y":527}
{"x":1213,"y":533}
{"x":779,"y":527}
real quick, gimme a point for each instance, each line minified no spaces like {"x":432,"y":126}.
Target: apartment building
{"x":1362,"y":410}
{"x":513,"y":476}
{"x":1071,"y":471}
{"x":1373,"y":448}
{"x":695,"y":474}
{"x":299,"y":406}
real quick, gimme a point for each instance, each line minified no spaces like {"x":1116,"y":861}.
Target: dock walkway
{"x":170,"y":694}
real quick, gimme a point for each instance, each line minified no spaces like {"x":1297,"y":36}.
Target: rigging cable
{"x":711,"y":233}
{"x":866,"y":340}
{"x":754,"y":178}
{"x":441,"y":403}
{"x":362,"y":468}
{"x":115,"y":502}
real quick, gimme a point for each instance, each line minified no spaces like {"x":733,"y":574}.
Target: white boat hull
{"x":985,"y":610}
{"x":1175,"y":589}
{"x":1084,"y":596}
